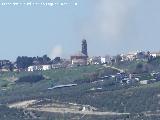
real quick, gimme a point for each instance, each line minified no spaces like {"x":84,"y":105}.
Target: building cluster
{"x":47,"y":67}
{"x":82,"y":58}
{"x":6,"y":65}
{"x":139,"y":55}
{"x":124,"y":78}
{"x":79,"y":59}
{"x":43,"y":63}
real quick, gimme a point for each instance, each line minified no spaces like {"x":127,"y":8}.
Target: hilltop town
{"x":141,"y":60}
{"x":125,"y":87}
{"x":25,"y":63}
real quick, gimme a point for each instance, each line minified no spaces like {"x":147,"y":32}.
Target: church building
{"x":81,"y":57}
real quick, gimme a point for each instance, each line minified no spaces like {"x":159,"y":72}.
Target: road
{"x":121,"y":70}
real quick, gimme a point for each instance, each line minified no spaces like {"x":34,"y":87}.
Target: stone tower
{"x":84,"y":47}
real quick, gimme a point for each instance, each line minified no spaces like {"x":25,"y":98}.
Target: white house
{"x":31,"y":68}
{"x":103,"y":60}
{"x":154,"y":55}
{"x":39,"y":67}
{"x":46,"y":67}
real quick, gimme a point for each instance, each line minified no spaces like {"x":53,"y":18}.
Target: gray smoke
{"x":108,"y":18}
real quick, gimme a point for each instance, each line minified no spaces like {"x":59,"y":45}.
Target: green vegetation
{"x":112,"y":96}
{"x":33,"y":78}
{"x":140,"y":66}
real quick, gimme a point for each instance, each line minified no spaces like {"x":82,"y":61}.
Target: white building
{"x":95,"y":60}
{"x":103,"y":60}
{"x":108,"y":59}
{"x":144,"y":82}
{"x":155,"y":54}
{"x":31,"y":68}
{"x":46,"y":67}
{"x":129,"y":56}
{"x":39,"y":67}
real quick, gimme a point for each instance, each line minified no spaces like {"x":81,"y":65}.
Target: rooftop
{"x":79,"y":54}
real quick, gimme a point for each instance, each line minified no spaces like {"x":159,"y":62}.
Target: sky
{"x":109,"y":26}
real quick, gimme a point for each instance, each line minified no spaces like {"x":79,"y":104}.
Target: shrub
{"x":31,"y":78}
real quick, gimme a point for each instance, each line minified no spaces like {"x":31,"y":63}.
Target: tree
{"x":56,"y":60}
{"x":24,"y":62}
{"x":118,"y":58}
{"x":142,"y":68}
{"x":46,"y":59}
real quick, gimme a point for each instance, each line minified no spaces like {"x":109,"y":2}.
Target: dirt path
{"x":66,"y":110}
{"x":121,"y":70}
{"x":60,"y":108}
{"x":23,"y":104}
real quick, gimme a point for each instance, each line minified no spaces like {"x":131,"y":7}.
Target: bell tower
{"x":84,"y":47}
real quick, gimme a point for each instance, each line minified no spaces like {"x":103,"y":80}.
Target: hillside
{"x":128,"y":101}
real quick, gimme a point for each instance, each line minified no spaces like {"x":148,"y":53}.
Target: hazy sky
{"x":109,"y":26}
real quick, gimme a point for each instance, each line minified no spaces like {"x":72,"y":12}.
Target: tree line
{"x":22,"y":62}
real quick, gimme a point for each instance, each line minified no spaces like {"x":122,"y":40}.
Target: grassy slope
{"x":60,"y":76}
{"x":112,"y":98}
